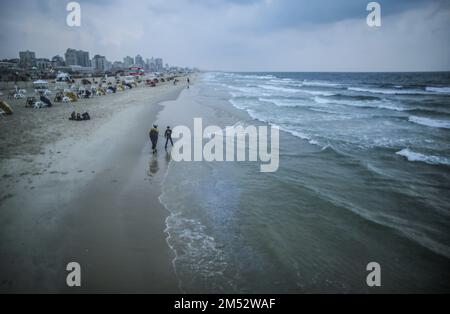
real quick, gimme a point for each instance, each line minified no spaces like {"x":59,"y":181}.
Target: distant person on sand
{"x":168,"y":136}
{"x":154,"y":134}
{"x":189,"y":82}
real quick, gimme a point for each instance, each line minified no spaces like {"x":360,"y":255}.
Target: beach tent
{"x":73,"y":97}
{"x":40,"y":85}
{"x":63,"y":77}
{"x":40,"y":82}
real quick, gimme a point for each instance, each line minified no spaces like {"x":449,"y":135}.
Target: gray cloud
{"x":289,"y":35}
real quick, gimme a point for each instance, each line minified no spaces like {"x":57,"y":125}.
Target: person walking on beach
{"x":154,"y":134}
{"x":168,"y":136}
{"x":188,"y":82}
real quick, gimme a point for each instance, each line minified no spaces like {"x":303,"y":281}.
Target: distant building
{"x":27,"y":59}
{"x":155,"y":65}
{"x":99,"y":63}
{"x":139,"y":61}
{"x":43,"y":64}
{"x":108,"y":65}
{"x":159,"y":65}
{"x":58,"y":61}
{"x":128,"y":61}
{"x":77,"y":57}
{"x":117,"y":65}
{"x":151,"y":65}
{"x":79,"y":70}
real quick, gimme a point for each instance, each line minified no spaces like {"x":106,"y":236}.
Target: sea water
{"x":364,"y":177}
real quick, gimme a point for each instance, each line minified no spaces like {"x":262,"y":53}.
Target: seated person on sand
{"x":80,"y":117}
{"x":86,"y":116}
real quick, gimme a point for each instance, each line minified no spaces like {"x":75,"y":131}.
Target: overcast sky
{"x":238,"y":35}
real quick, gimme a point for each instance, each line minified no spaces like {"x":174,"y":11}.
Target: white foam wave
{"x":388,"y":91}
{"x":282,"y":103}
{"x":439,"y":90}
{"x":279,"y":89}
{"x":444,"y":124}
{"x":364,"y":104}
{"x":317,"y":93}
{"x":324,"y":101}
{"x":418,"y":157}
{"x":320,"y":84}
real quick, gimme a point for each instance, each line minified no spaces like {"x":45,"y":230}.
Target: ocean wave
{"x":281,"y":103}
{"x":439,"y":90}
{"x":418,"y":157}
{"x":371,"y":104}
{"x":443,"y":124}
{"x":320,"y":84}
{"x":358,"y":97}
{"x":317,"y":93}
{"x":279,"y":89}
{"x":282,"y":81}
{"x":324,"y":101}
{"x":388,"y":91}
{"x":427,"y":110}
{"x":248,"y":90}
{"x":238,"y":105}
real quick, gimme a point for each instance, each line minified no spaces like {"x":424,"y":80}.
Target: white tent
{"x":63,"y":77}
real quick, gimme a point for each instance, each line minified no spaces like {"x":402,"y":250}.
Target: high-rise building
{"x":151,"y":65}
{"x":159,"y":64}
{"x":128,"y":61}
{"x":27,"y":59}
{"x":139,"y":61}
{"x":77,"y":57}
{"x":99,"y":63}
{"x":108,"y":65}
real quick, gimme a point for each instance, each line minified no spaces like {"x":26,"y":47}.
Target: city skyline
{"x":81,"y":58}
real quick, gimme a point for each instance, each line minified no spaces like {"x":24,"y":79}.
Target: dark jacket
{"x":154,"y":133}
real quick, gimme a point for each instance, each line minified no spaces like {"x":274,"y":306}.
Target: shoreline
{"x":81,"y":199}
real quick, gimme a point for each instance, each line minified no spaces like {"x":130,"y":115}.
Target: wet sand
{"x":85,"y":192}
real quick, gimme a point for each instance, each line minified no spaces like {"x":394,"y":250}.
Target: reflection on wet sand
{"x":154,"y":166}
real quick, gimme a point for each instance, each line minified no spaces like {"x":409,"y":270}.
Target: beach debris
{"x":6,"y":108}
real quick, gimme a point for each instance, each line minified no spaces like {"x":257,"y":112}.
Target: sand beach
{"x":85,"y":192}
